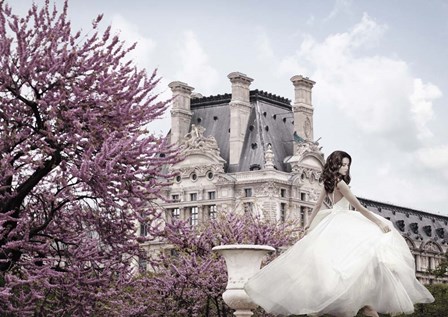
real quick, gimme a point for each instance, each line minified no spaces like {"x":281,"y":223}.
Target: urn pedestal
{"x":243,"y":261}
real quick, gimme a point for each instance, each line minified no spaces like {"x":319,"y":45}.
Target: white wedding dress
{"x":344,"y":263}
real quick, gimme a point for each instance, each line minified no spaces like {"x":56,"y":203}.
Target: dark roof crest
{"x":267,"y":96}
{"x":211,"y":100}
{"x":254,"y":95}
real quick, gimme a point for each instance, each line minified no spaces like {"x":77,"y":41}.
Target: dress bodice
{"x":342,"y":204}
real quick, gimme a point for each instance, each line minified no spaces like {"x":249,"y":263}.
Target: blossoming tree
{"x":78,"y":169}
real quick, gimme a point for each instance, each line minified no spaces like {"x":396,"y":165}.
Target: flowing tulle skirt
{"x":344,"y":263}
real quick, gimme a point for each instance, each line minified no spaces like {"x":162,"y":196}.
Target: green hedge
{"x":437,"y":309}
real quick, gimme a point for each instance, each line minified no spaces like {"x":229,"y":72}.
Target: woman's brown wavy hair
{"x":330,"y":174}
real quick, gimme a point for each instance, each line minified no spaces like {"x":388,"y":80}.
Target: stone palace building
{"x":252,"y":151}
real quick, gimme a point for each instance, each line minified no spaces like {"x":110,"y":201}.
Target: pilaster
{"x":180,"y":112}
{"x":239,"y":113}
{"x":303,"y":108}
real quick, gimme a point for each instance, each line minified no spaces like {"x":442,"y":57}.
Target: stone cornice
{"x":239,"y":78}
{"x":299,"y":80}
{"x":180,"y":87}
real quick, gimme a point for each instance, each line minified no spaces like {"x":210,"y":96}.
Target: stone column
{"x":417,"y":262}
{"x":305,"y":214}
{"x":303,"y":108}
{"x":239,"y":114}
{"x":180,"y":112}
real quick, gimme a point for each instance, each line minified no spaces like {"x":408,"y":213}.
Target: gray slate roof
{"x":270,"y":121}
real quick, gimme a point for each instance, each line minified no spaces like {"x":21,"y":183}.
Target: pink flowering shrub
{"x":190,"y":279}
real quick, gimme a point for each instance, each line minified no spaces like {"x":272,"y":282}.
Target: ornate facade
{"x":252,"y":151}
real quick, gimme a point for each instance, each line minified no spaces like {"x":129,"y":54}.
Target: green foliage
{"x":442,"y":268}
{"x":439,"y":308}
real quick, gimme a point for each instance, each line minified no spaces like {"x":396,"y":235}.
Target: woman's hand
{"x":384,"y":227}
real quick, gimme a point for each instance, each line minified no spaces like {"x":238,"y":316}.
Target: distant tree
{"x":442,"y":269}
{"x":190,"y":280}
{"x":78,"y":169}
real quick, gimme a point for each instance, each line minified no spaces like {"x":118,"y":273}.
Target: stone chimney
{"x":302,"y":107}
{"x":180,"y":112}
{"x":239,"y":114}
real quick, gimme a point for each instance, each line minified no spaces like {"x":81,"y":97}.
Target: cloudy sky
{"x":380,"y":68}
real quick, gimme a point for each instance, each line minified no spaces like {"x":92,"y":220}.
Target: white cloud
{"x":131,"y":33}
{"x":369,"y":90}
{"x":376,"y":108}
{"x":287,"y":66}
{"x":421,"y":105}
{"x":377,"y":94}
{"x":195,"y":67}
{"x":435,"y":158}
{"x":367,"y":33}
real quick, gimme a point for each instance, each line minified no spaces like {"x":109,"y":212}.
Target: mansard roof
{"x":270,"y":122}
{"x":415,"y":224}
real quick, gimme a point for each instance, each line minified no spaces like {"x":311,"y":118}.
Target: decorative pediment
{"x":199,"y":148}
{"x":312,"y":161}
{"x":307,"y":156}
{"x":195,"y":142}
{"x":309,"y":148}
{"x":432,"y":247}
{"x":201,"y":154}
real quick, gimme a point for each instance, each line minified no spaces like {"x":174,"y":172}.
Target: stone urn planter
{"x":243,"y":261}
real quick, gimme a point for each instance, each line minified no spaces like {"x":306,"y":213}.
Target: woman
{"x":348,"y":260}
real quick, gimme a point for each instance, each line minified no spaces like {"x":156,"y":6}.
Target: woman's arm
{"x":345,"y":190}
{"x":317,"y":207}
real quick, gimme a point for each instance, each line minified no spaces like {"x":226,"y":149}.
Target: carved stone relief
{"x":200,"y":170}
{"x":308,"y":173}
{"x":196,"y":140}
{"x":314,"y":195}
{"x":432,"y":247}
{"x":400,"y":225}
{"x":414,"y":227}
{"x":428,"y":230}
